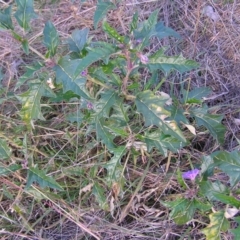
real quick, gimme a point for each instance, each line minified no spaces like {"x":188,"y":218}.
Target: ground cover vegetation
{"x":119,"y":119}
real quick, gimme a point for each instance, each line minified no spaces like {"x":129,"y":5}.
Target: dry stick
{"x":121,"y":22}
{"x":129,"y":69}
{"x":126,"y":208}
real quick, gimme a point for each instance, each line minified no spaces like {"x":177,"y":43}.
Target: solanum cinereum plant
{"x":121,"y":111}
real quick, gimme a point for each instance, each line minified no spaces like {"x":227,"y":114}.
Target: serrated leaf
{"x":9,"y":169}
{"x":227,"y":199}
{"x":5,"y":150}
{"x":120,"y":114}
{"x":211,"y":122}
{"x":104,"y":104}
{"x":112,"y":32}
{"x":145,"y":29}
{"x":196,"y":94}
{"x":209,"y":189}
{"x":103,"y":133}
{"x":25,"y":12}
{"x":162,"y":31}
{"x":102,"y":8}
{"x":30,"y":71}
{"x":77,"y":40}
{"x":31,"y":109}
{"x":182,"y":210}
{"x":98,"y":192}
{"x":168,"y":63}
{"x":108,"y":77}
{"x":151,"y":28}
{"x":177,"y":114}
{"x":68,"y":72}
{"x":5,"y":18}
{"x":65,"y":75}
{"x":162,"y":142}
{"x":154,"y":113}
{"x":229,"y":163}
{"x":218,"y":224}
{"x":38,"y":176}
{"x":114,"y":167}
{"x":50,"y":39}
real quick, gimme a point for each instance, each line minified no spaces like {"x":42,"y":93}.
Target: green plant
{"x":121,"y":114}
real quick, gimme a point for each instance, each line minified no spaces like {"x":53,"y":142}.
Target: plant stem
{"x":37,"y":52}
{"x":97,"y":82}
{"x":159,"y":85}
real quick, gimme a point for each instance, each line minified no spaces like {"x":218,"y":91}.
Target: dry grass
{"x":214,"y":44}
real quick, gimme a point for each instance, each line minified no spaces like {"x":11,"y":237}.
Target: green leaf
{"x":5,"y":18}
{"x":30,"y":71}
{"x":210,"y":121}
{"x":64,"y":97}
{"x":75,"y":117}
{"x":65,"y":75}
{"x":9,"y":169}
{"x":17,"y":37}
{"x":209,"y":189}
{"x":180,"y":179}
{"x":103,"y":133}
{"x":227,"y":199}
{"x":177,"y":114}
{"x":25,"y":46}
{"x":166,"y":63}
{"x":182,"y":210}
{"x":109,"y":78}
{"x":236,"y":232}
{"x":102,"y":8}
{"x":218,"y":224}
{"x":162,"y":142}
{"x":152,"y":109}
{"x":134,"y":22}
{"x":120,"y":113}
{"x":77,"y":40}
{"x":112,"y":32}
{"x":145,"y":29}
{"x":104,"y":104}
{"x":196,"y":94}
{"x":38,"y":176}
{"x":151,"y":28}
{"x":68,"y":72}
{"x":51,"y":39}
{"x":5,"y":150}
{"x":229,"y":163}
{"x":162,"y":31}
{"x":25,"y":12}
{"x":98,"y":192}
{"x":114,"y":167}
{"x":207,"y":166}
{"x":31,"y":109}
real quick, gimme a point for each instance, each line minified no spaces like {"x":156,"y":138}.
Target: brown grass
{"x":214,"y":44}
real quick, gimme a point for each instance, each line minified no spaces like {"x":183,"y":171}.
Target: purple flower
{"x":192,"y":174}
{"x":89,"y":105}
{"x":138,"y":41}
{"x":143,"y":58}
{"x":84,"y":73}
